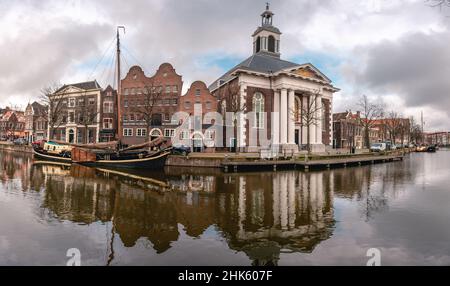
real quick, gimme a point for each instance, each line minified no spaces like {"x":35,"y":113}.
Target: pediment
{"x":309,"y":71}
{"x":71,"y":89}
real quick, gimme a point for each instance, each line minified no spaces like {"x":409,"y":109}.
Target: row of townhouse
{"x":437,"y":138}
{"x":12,"y":124}
{"x":349,"y":130}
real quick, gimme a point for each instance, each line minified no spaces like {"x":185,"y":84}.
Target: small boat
{"x":431,"y":149}
{"x":52,"y":151}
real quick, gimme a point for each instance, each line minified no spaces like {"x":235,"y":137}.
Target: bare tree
{"x":230,"y":99}
{"x":393,"y":125}
{"x":310,"y":115}
{"x":415,"y":131}
{"x":145,"y":109}
{"x":55,"y":102}
{"x":88,"y":115}
{"x":370,"y":112}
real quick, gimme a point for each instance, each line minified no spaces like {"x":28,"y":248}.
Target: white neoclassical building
{"x":282,"y":102}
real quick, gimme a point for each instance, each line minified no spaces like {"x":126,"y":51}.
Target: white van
{"x":378,"y":147}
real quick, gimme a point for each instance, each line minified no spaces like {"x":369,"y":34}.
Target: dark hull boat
{"x":43,"y":155}
{"x":148,"y":162}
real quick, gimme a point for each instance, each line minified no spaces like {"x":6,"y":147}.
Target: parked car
{"x":20,"y":141}
{"x":378,"y":147}
{"x":181,"y":149}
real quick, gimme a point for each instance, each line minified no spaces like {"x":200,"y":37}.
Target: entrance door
{"x":297,"y":136}
{"x":71,"y":136}
{"x":197,"y":143}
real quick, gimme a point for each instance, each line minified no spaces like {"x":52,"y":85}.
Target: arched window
{"x":258,"y":109}
{"x":271,"y":44}
{"x":258,"y":44}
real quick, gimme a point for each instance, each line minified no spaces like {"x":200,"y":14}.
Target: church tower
{"x":267,"y":37}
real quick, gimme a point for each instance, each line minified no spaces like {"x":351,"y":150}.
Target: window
{"x":91,"y":101}
{"x":107,"y":123}
{"x":141,"y":132}
{"x":109,"y":93}
{"x":72,"y":102}
{"x":126,"y":91}
{"x":81,"y":102}
{"x":133,"y":91}
{"x":208,"y":105}
{"x":125,"y":118}
{"x":125,"y":103}
{"x":167,"y":117}
{"x":131,"y":117}
{"x":127,"y":132}
{"x":175,"y":101}
{"x":271,"y":44}
{"x":138,"y":91}
{"x":197,"y":92}
{"x":258,"y":109}
{"x":184,"y":135}
{"x":169,"y":133}
{"x":167,"y":89}
{"x":175,"y":89}
{"x":108,"y":107}
{"x":187,"y":105}
{"x":71,"y":117}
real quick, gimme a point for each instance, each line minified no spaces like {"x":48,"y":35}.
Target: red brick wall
{"x":164,"y":76}
{"x":204,"y":98}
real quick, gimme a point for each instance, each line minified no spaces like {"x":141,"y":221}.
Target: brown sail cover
{"x":80,"y":155}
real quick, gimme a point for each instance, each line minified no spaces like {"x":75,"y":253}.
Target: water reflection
{"x":263,"y":215}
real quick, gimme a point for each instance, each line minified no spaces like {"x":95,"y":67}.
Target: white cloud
{"x":50,"y":41}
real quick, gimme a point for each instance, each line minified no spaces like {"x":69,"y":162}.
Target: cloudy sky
{"x":395,"y":51}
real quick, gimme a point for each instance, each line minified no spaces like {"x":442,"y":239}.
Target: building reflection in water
{"x":262,"y":215}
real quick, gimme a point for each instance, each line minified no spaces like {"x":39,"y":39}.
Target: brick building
{"x":199,"y":96}
{"x":12,"y":124}
{"x":148,"y":103}
{"x":437,"y":138}
{"x":347,"y":130}
{"x":36,"y":122}
{"x":108,"y":115}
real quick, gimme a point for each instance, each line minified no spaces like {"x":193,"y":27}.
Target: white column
{"x":276,"y":119}
{"x":319,"y":117}
{"x":283,"y":117}
{"x":291,"y":117}
{"x":312,"y":127}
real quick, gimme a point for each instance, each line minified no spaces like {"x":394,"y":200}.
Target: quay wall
{"x":180,"y":161}
{"x":16,"y":148}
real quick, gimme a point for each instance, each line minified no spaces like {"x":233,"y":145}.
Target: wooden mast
{"x":119,"y":88}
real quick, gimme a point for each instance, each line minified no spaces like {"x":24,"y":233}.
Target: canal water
{"x":205,"y":217}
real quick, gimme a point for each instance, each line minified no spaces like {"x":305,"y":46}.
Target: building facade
{"x":79,"y":118}
{"x":148,"y":104}
{"x":108,"y":115}
{"x":347,"y":130}
{"x":201,"y":106}
{"x":36,"y":122}
{"x":281,"y":103}
{"x":437,"y":138}
{"x":12,"y":124}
